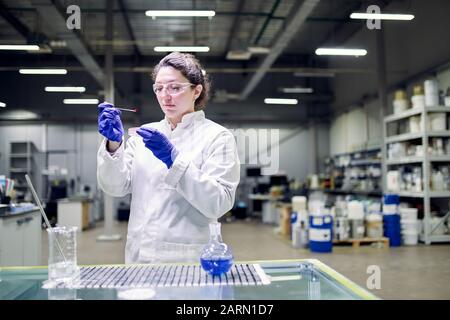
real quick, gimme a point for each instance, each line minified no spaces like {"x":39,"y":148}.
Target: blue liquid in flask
{"x":216,"y":257}
{"x":216,"y":267}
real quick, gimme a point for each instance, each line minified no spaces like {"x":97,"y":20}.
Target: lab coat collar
{"x":187,"y":119}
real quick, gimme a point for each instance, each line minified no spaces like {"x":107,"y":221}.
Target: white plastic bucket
{"x":409,"y":227}
{"x":438,"y":121}
{"x":400,"y":106}
{"x":418,"y":101}
{"x":410,"y":239}
{"x":415,"y":124}
{"x":431,"y":91}
{"x":408,"y":213}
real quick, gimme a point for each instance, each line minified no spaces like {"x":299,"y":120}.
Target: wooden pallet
{"x":357,"y":242}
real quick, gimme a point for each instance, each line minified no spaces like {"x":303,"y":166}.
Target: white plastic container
{"x":431,"y":91}
{"x":447,"y":101}
{"x":299,"y":203}
{"x":408,"y":213}
{"x":355,"y":210}
{"x":410,"y":226}
{"x":418,"y":101}
{"x":410,"y":239}
{"x":393,"y":181}
{"x":400,"y":106}
{"x":415,"y":124}
{"x":438,"y":121}
{"x":374,"y":225}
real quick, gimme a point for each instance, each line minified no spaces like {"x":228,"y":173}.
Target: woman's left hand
{"x":158,"y":143}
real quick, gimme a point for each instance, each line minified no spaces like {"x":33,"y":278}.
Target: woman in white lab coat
{"x":182,"y":171}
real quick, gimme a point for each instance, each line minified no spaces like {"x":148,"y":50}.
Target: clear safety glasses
{"x":172,"y":88}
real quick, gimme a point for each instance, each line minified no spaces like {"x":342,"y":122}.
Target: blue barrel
{"x":391,"y":199}
{"x":392,"y":229}
{"x":321,"y":233}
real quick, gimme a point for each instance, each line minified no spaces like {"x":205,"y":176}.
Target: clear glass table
{"x":307,"y":279}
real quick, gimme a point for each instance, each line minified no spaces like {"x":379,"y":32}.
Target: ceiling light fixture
{"x":18,"y":115}
{"x":381,"y":16}
{"x":2,"y":104}
{"x":65,"y":89}
{"x":258,"y":50}
{"x":297,"y":90}
{"x":178,"y":13}
{"x":280,"y":101}
{"x":182,"y":49}
{"x":80,"y":101}
{"x":340,"y":52}
{"x":22,"y":47}
{"x":43,"y":71}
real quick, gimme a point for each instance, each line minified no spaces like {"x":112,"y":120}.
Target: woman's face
{"x":175,"y":96}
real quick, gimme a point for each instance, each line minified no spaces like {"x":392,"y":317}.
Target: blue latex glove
{"x":158,"y":143}
{"x":109,"y":123}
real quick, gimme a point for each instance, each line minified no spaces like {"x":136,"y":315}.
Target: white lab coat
{"x":171,"y":208}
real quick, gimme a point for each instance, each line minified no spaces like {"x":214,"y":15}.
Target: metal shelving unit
{"x":343,"y":180}
{"x":21,"y":162}
{"x":425,"y":161}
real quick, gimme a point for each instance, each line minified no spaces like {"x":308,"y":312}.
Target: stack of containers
{"x":431,"y":92}
{"x":391,"y":219}
{"x":356,"y":218}
{"x":320,"y":228}
{"x":409,"y":224}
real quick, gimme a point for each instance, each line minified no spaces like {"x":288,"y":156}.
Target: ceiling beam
{"x":55,"y":17}
{"x":299,"y":15}
{"x":126,"y":19}
{"x":14,"y":22}
{"x":234,"y":27}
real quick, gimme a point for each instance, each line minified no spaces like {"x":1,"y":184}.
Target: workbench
{"x":307,"y":279}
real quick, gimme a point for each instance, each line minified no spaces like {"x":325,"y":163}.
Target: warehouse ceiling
{"x":290,"y":29}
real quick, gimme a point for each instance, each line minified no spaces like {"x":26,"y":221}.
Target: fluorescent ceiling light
{"x":43,"y":71}
{"x":178,"y":13}
{"x":238,"y":55}
{"x":2,"y":104}
{"x":182,"y":49}
{"x":258,"y":50}
{"x":280,"y":101}
{"x":80,"y":101}
{"x":297,"y":90}
{"x":341,"y":52}
{"x":314,"y":74}
{"x":65,"y":89}
{"x":18,"y":115}
{"x":25,"y":47}
{"x":381,"y":16}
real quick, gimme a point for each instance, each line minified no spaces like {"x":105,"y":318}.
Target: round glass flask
{"x":216,"y":257}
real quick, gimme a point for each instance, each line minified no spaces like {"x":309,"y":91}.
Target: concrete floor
{"x":414,"y":272}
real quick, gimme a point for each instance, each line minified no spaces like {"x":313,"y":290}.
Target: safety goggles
{"x":172,"y":88}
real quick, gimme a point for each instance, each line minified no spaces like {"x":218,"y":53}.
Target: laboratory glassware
{"x":216,"y":257}
{"x":62,"y":254}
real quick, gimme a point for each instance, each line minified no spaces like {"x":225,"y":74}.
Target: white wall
{"x":353,"y":130}
{"x":296,"y":155}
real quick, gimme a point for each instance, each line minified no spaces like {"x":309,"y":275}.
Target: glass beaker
{"x":216,"y":257}
{"x":62,"y":254}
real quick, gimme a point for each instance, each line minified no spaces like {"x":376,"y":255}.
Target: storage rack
{"x":361,"y":158}
{"x":21,"y":162}
{"x":425,"y":161}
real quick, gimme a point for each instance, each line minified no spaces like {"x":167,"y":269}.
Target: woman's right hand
{"x":109,"y":123}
